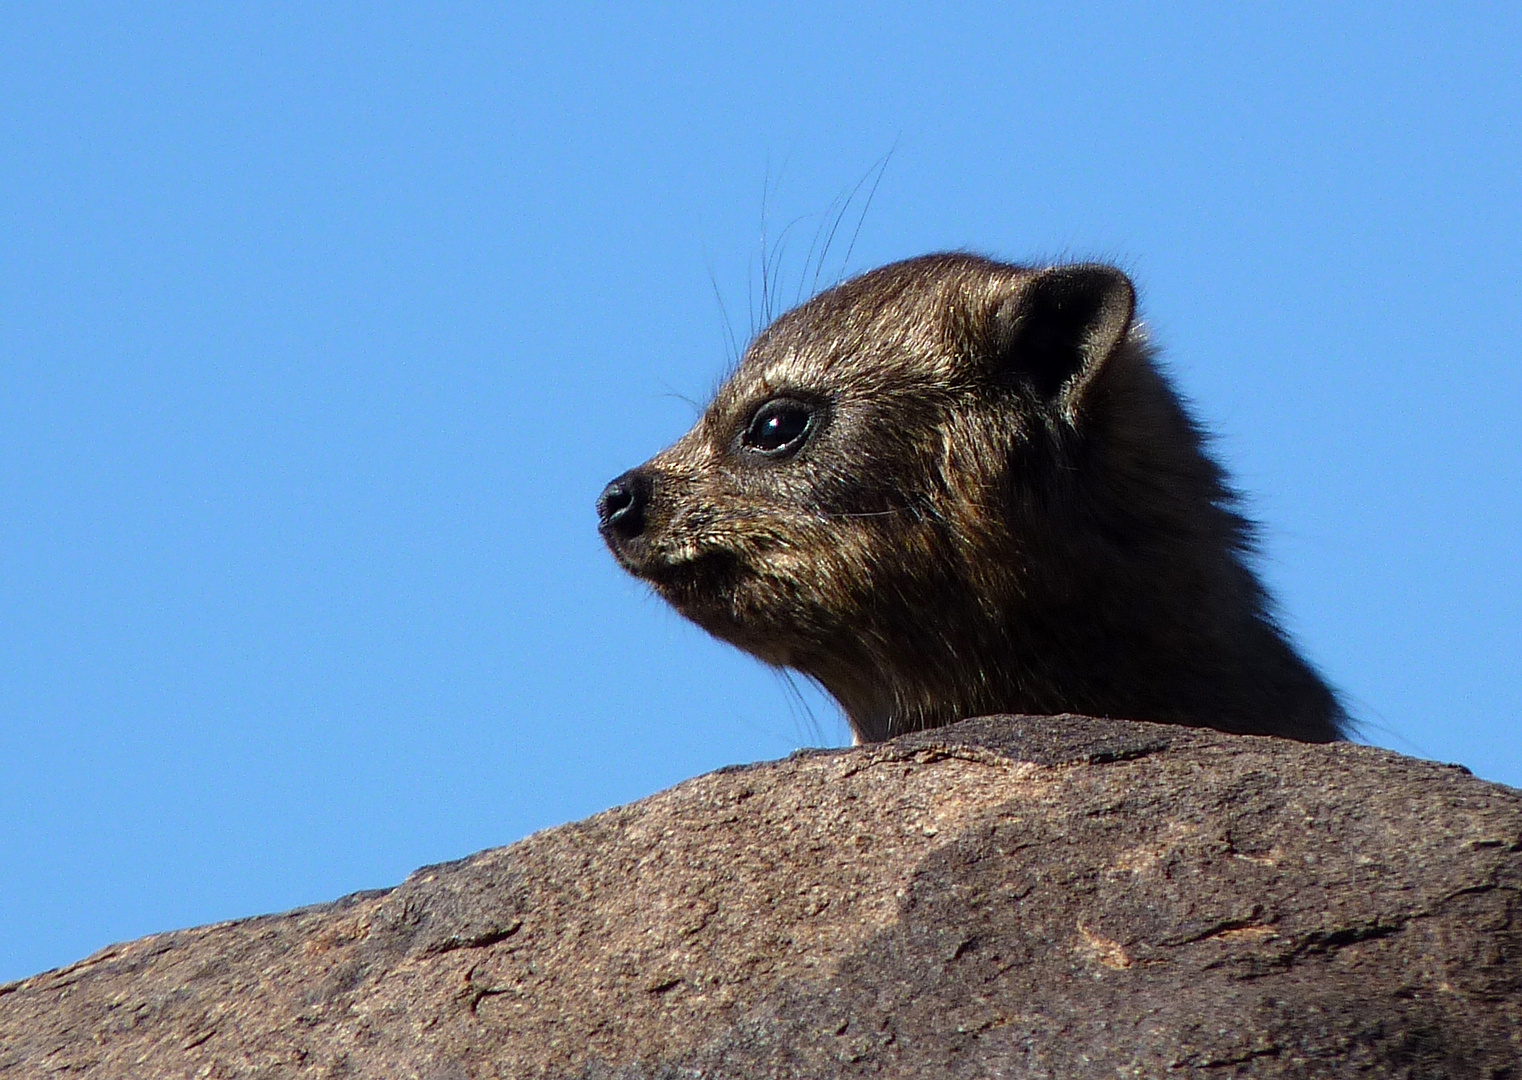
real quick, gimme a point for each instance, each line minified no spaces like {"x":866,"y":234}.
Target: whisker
{"x":881,"y":169}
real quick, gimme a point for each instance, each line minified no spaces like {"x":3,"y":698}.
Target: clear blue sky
{"x":323,"y":325}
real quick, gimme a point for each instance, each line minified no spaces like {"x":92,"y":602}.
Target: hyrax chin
{"x":953,"y":487}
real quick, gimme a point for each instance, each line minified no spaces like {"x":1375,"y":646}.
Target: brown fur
{"x":999,"y":506}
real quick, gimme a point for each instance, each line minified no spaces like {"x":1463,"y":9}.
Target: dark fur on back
{"x":996,"y":504}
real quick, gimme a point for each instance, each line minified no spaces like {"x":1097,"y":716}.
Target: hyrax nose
{"x":621,"y":506}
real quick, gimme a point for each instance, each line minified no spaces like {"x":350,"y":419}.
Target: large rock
{"x":1053,"y":897}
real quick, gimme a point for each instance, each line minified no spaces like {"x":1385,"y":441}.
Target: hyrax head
{"x":879,"y":496}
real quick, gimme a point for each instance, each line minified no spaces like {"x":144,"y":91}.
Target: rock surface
{"x":1013,"y":896}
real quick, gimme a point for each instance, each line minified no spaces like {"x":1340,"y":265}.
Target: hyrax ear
{"x":1059,"y":327}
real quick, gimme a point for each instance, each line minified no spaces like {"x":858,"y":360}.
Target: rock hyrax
{"x":952,"y":487}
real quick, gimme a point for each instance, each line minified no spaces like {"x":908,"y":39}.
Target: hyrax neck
{"x":1205,"y":656}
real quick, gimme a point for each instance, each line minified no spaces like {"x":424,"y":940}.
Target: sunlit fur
{"x":956,"y":539}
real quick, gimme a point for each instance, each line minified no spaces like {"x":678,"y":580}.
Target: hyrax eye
{"x":779,"y":427}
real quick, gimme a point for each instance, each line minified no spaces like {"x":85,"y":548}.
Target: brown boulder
{"x":1013,"y":896}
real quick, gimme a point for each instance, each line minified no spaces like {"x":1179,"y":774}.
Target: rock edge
{"x":1009,"y":896}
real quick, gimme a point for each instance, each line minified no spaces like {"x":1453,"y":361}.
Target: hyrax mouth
{"x":692,"y":581}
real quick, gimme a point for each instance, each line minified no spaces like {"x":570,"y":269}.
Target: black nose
{"x":621,"y":506}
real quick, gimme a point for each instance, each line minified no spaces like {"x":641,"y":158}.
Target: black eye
{"x":779,"y":427}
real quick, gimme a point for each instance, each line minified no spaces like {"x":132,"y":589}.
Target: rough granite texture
{"x":1008,"y":897}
